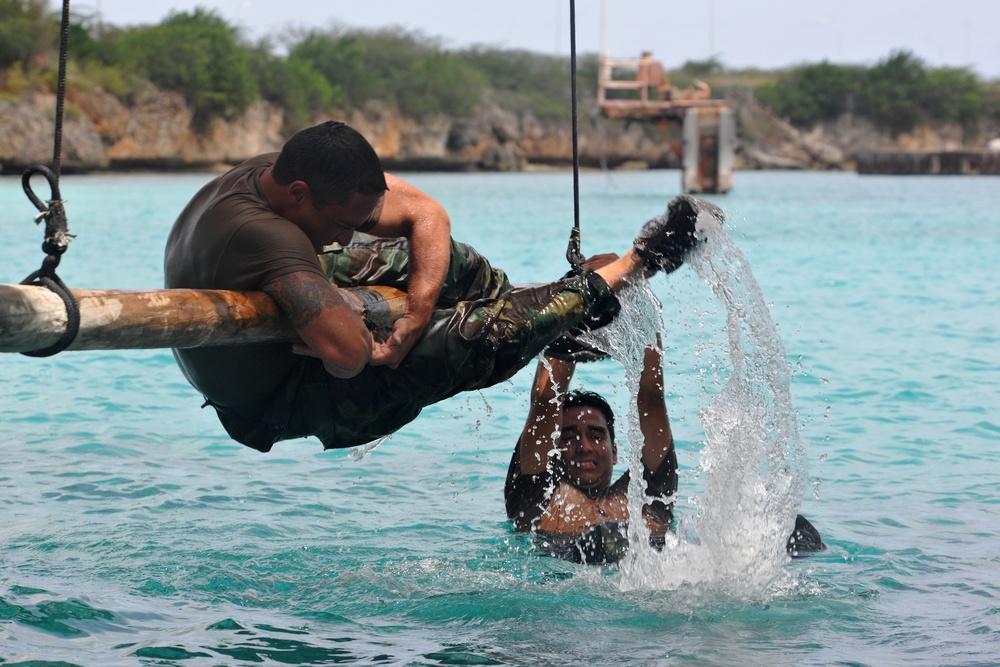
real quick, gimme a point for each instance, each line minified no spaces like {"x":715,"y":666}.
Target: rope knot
{"x":55,"y":243}
{"x":57,"y":236}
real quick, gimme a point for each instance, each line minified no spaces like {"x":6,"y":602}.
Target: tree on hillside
{"x":294,"y":84}
{"x":897,"y":94}
{"x":28,"y":33}
{"x":954,"y":94}
{"x":338,"y":58}
{"x":891,"y":91}
{"x":700,"y":69}
{"x":811,"y":93}
{"x":441,"y":83}
{"x":196,"y":54}
{"x":522,"y":80}
{"x":990,"y":96}
{"x":387,"y":57}
{"x":394,"y":67}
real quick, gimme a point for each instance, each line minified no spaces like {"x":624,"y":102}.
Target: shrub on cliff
{"x":526,"y":81}
{"x":392,"y":66}
{"x":196,"y":54}
{"x":441,"y":83}
{"x":697,"y":70}
{"x":28,"y":33}
{"x":337,"y":58}
{"x":900,"y":93}
{"x":897,"y":94}
{"x":294,"y":84}
{"x":811,"y":93}
{"x":954,"y":94}
{"x":891,"y":92}
{"x":991,"y":102}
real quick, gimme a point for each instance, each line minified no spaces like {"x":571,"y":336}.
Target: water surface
{"x":135,"y":533}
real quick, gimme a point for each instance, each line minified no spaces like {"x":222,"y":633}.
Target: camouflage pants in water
{"x":483,"y":333}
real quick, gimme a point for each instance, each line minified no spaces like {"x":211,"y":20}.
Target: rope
{"x":573,"y":255}
{"x":57,"y":236}
{"x":60,"y":96}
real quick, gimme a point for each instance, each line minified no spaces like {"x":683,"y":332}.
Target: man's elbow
{"x":348,"y":358}
{"x":341,"y":371}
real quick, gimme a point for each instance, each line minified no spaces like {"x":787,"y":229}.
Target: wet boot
{"x":665,"y":240}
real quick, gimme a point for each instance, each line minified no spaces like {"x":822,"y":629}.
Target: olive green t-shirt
{"x":227,"y":238}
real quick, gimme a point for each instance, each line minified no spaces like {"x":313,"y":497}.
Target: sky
{"x":768,"y":34}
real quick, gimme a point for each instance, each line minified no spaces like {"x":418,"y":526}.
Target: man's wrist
{"x":419,"y":310}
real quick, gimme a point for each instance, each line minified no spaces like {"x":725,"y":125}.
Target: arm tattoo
{"x":302,"y":297}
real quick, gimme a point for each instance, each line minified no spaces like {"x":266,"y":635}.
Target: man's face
{"x":586,"y":445}
{"x":337,"y":222}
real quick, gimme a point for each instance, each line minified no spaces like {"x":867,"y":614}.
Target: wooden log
{"x":33,"y":318}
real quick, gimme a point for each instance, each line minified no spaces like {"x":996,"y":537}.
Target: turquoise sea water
{"x":133,"y":532}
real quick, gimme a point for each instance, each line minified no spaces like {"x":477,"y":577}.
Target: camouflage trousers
{"x":482,"y":333}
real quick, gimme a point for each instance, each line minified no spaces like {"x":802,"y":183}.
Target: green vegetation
{"x":811,"y":93}
{"x":525,"y":81}
{"x":991,"y":101}
{"x":325,"y":72}
{"x":293,"y":84}
{"x":197,"y":54}
{"x":703,"y":70}
{"x":394,"y":67}
{"x":28,"y":35}
{"x":897,"y":94}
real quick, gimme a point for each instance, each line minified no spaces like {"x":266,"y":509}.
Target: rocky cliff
{"x":154,"y":132}
{"x":767,"y":142}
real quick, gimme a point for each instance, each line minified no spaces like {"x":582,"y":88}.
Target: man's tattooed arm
{"x":330,"y":330}
{"x":302,"y":297}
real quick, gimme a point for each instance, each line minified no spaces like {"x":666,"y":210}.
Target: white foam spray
{"x":753,"y":460}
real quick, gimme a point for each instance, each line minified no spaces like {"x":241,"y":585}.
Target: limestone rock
{"x":153,"y":130}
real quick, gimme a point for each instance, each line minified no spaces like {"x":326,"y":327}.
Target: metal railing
{"x":647,"y":77}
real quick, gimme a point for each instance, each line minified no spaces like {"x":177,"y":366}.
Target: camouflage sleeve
{"x":370,"y":260}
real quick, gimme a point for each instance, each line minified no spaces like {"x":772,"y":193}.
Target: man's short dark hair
{"x":590,"y":399}
{"x":334,"y":160}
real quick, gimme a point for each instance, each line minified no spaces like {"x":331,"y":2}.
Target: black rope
{"x":573,"y":254}
{"x":57,"y":236}
{"x":60,"y":96}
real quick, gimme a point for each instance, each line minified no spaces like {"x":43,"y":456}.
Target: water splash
{"x":733,"y":542}
{"x":361,"y":451}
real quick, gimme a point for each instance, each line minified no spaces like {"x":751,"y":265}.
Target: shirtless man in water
{"x":559,"y":483}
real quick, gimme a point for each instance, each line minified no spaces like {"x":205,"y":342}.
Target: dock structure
{"x":638,"y":89}
{"x":944,"y":163}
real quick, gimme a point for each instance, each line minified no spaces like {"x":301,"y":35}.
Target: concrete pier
{"x":959,"y":163}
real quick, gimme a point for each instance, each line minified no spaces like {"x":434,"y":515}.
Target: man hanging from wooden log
{"x":266,"y":224}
